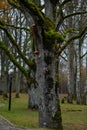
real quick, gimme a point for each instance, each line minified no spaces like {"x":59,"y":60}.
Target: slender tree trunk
{"x":18,"y":74}
{"x":17,"y":84}
{"x":4,"y":75}
{"x":85,"y":87}
{"x":70,"y":73}
{"x":71,"y":57}
{"x":78,"y":94}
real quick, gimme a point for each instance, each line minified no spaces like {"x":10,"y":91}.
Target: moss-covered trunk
{"x":49,"y":108}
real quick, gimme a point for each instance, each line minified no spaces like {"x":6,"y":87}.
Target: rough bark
{"x":33,"y":101}
{"x":49,"y":108}
{"x":70,"y":59}
{"x":70,"y":73}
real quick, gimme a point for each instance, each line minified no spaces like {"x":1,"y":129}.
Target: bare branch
{"x":83,"y":55}
{"x":17,"y":27}
{"x":69,"y":15}
{"x":12,"y":58}
{"x":34,"y":11}
{"x":76,"y":13}
{"x":64,"y":2}
{"x":71,"y":39}
{"x":63,"y":58}
{"x":12,"y":40}
{"x":15,"y":4}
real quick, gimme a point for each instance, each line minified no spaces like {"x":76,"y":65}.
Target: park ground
{"x":74,"y":117}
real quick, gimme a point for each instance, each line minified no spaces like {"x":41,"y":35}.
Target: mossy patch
{"x":50,"y":37}
{"x":52,"y":34}
{"x":48,"y":24}
{"x":57,"y":115}
{"x":33,"y":65}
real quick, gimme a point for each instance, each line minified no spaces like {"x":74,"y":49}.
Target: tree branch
{"x":12,"y":58}
{"x":15,"y":4}
{"x":64,"y":58}
{"x":76,"y":13}
{"x":65,"y":2}
{"x":69,"y":15}
{"x":83,"y":55}
{"x":34,"y":11}
{"x":21,"y":68}
{"x":17,"y":27}
{"x":27,"y":61}
{"x":72,"y":38}
{"x":30,"y":6}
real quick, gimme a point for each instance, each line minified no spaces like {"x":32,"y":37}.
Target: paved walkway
{"x":6,"y":125}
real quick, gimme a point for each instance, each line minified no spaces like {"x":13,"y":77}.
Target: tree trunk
{"x":4,"y":74}
{"x":70,"y":73}
{"x":49,"y":107}
{"x":70,"y":60}
{"x":78,"y":100}
{"x":33,"y":100}
{"x":85,"y":87}
{"x":17,"y":84}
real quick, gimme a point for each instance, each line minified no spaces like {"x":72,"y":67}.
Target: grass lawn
{"x":74,"y":116}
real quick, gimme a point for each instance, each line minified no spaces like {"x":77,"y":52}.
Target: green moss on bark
{"x":50,"y":37}
{"x":57,"y":115}
{"x":33,"y":65}
{"x":52,"y":34}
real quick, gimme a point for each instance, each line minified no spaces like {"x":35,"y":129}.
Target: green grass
{"x":19,"y":113}
{"x":74,"y":116}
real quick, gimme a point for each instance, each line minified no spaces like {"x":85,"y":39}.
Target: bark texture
{"x":84,"y":97}
{"x":78,"y":93}
{"x":49,"y":108}
{"x":70,"y":73}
